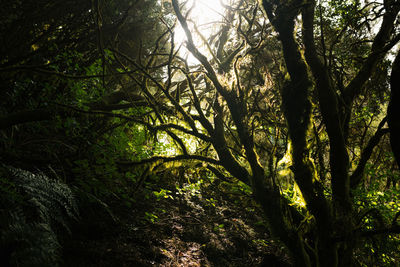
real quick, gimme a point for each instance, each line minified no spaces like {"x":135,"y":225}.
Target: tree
{"x":54,"y":72}
{"x":334,"y":232}
{"x":274,"y":85}
{"x":60,"y":60}
{"x":336,"y":110}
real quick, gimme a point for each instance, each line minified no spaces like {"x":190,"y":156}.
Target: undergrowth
{"x":35,"y":211}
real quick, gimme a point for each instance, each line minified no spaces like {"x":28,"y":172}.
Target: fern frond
{"x":55,"y":202}
{"x":30,"y":239}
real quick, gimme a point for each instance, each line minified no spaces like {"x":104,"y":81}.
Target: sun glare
{"x":205,"y":16}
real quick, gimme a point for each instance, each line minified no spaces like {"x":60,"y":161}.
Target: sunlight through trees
{"x":282,"y":111}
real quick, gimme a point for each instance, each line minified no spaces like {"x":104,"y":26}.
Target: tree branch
{"x":327,"y":98}
{"x":170,"y":159}
{"x":357,"y":175}
{"x":381,"y":40}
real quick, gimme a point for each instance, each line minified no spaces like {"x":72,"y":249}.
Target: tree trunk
{"x":394,"y":109}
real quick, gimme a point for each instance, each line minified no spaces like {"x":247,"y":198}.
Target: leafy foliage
{"x":31,"y":229}
{"x":282,"y":113}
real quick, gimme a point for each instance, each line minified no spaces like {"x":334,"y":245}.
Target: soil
{"x":187,"y":225}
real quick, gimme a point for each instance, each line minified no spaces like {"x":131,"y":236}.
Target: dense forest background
{"x":134,"y":135}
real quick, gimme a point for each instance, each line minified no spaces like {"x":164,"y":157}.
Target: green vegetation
{"x":267,"y":137}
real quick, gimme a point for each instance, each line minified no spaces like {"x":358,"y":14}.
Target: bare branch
{"x":357,"y":175}
{"x":170,"y":159}
{"x":380,"y":41}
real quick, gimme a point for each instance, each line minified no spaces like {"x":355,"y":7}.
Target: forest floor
{"x":179,"y":226}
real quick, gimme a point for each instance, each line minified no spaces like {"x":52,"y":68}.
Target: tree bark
{"x":394,"y":109}
{"x":297,"y":108}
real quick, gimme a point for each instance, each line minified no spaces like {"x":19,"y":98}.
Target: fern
{"x":53,"y":200}
{"x":29,"y":244}
{"x":29,"y":229}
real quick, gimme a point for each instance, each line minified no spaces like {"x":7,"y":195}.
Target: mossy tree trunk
{"x":394,"y":109}
{"x":334,"y":218}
